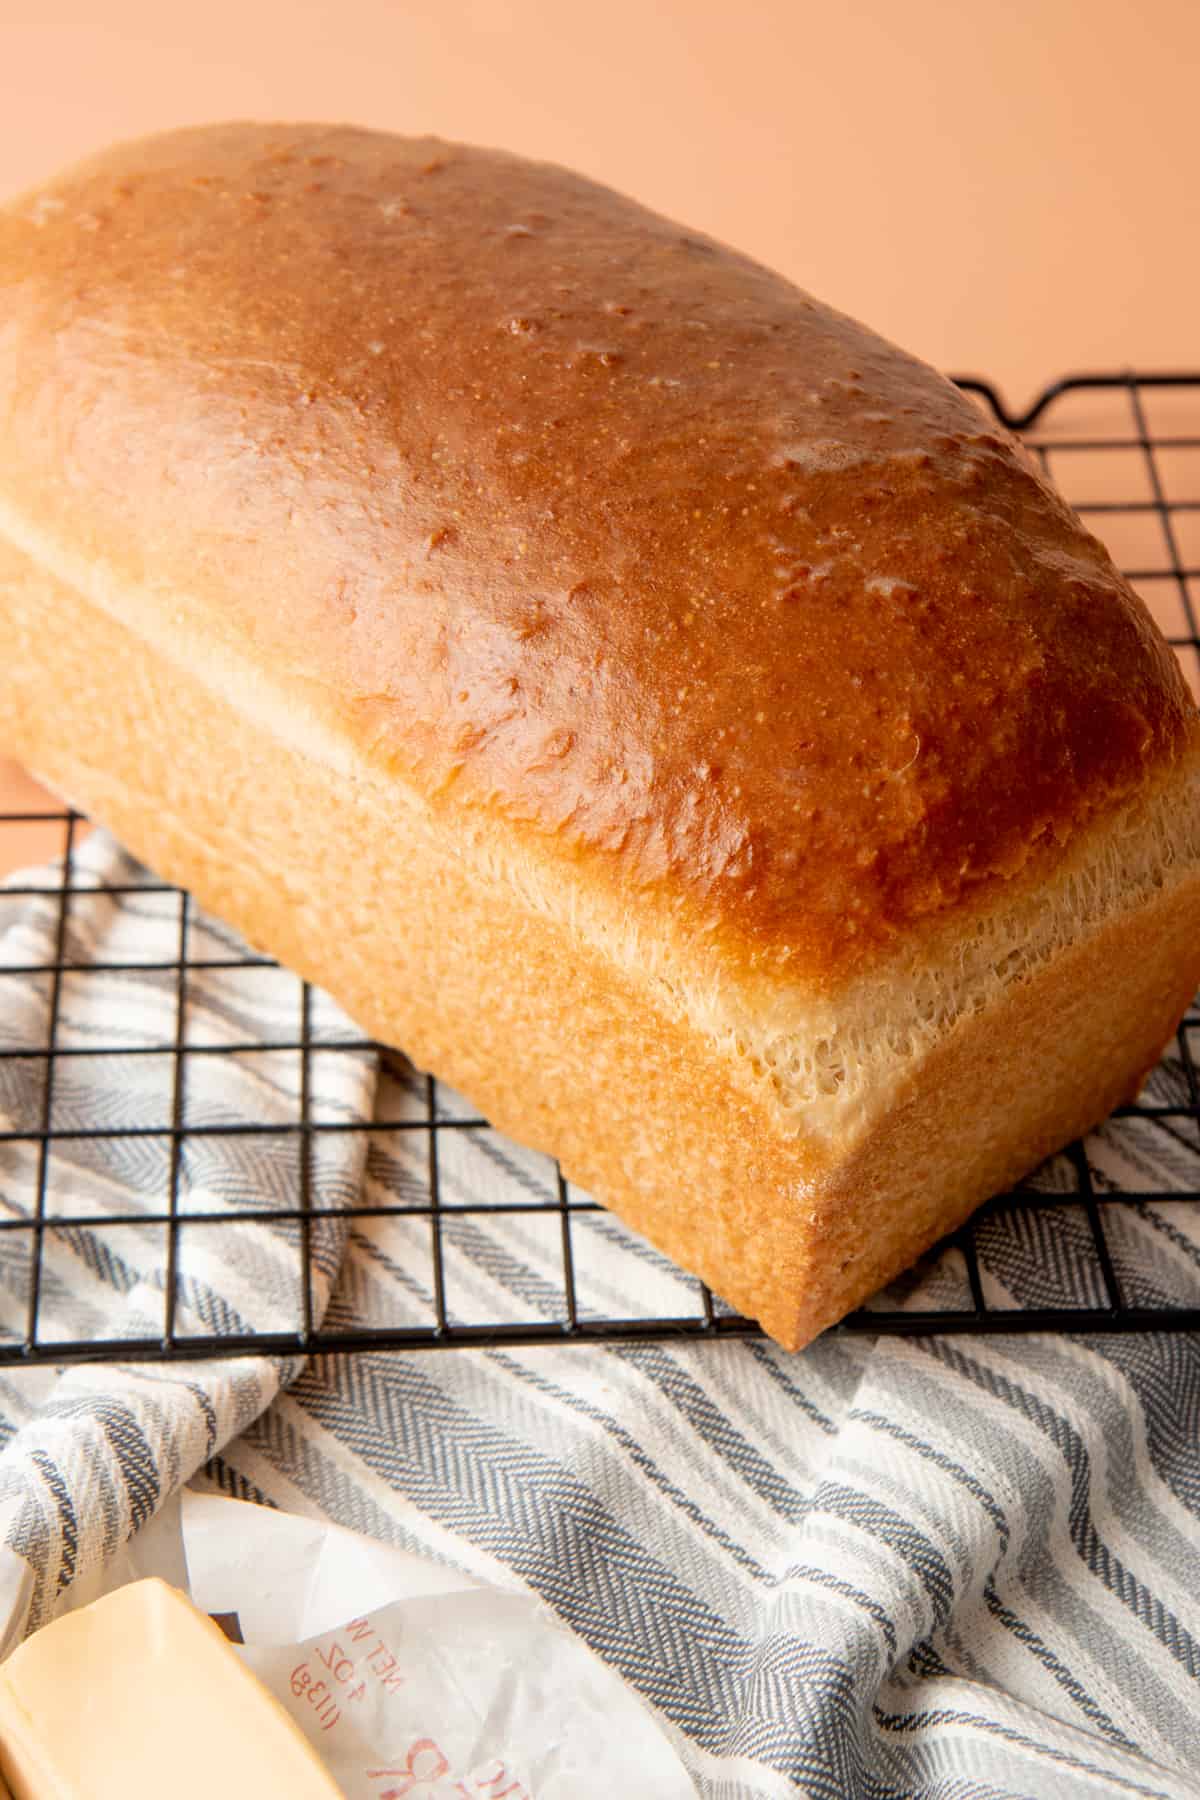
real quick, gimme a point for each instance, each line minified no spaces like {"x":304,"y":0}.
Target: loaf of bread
{"x":664,"y":709}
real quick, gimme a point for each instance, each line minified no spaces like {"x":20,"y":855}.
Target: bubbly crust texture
{"x":579,"y":521}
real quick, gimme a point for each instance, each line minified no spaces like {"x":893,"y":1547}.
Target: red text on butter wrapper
{"x":316,"y":1694}
{"x":362,"y":1645}
{"x":426,"y":1764}
{"x":347,"y":1661}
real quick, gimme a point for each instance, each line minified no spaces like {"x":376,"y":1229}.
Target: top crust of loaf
{"x":582,"y":521}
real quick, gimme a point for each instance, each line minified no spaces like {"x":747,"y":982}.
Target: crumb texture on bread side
{"x":573,"y":1053}
{"x":394,"y":533}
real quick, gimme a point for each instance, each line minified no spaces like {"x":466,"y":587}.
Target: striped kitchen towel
{"x":934,"y":1567}
{"x":91,"y":1452}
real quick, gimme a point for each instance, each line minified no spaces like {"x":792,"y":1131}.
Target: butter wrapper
{"x":468,"y":1694}
{"x":412,"y":1678}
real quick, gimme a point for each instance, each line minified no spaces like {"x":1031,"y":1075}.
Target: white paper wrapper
{"x":408,"y":1678}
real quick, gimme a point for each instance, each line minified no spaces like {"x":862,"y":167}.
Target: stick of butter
{"x":141,"y":1694}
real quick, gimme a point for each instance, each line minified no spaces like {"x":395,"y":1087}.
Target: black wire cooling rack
{"x":1125,"y":449}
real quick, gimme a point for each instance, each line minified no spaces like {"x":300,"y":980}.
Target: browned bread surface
{"x":579,"y":518}
{"x":649,"y":698}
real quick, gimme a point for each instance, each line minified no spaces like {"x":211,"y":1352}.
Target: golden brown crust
{"x":568,"y":1053}
{"x":578,"y":520}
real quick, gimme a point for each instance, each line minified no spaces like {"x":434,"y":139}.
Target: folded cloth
{"x":93,"y":1451}
{"x":936,"y":1567}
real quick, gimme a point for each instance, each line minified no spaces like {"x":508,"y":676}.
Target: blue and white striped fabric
{"x":933,"y":1567}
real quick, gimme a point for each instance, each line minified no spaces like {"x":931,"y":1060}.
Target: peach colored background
{"x":1011,"y":189}
{"x":1005,"y":187}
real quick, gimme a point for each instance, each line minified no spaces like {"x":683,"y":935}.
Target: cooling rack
{"x":1104,"y":1238}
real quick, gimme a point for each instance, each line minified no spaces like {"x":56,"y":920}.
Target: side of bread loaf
{"x":660,"y":707}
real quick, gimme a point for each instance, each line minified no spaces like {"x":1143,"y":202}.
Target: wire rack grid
{"x":1125,"y":448}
